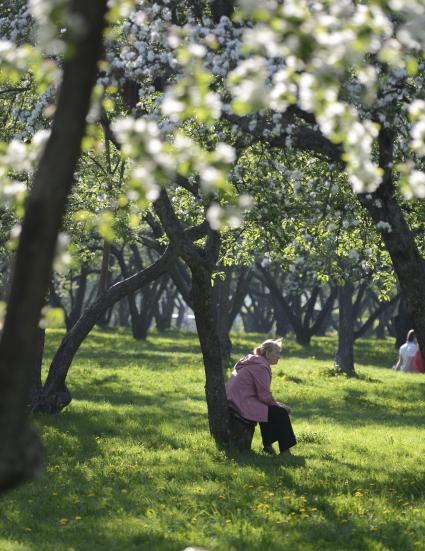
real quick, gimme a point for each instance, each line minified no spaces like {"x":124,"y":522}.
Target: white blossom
{"x":384,"y":226}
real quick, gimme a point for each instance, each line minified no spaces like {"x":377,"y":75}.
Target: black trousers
{"x":278,"y":428}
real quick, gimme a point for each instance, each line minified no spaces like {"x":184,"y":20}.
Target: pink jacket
{"x":248,"y":389}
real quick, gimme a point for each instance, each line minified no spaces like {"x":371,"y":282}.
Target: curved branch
{"x":55,"y":395}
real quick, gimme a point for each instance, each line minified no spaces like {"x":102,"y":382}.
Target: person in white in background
{"x":407,"y":352}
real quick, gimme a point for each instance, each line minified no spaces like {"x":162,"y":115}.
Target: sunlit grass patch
{"x":130,"y":463}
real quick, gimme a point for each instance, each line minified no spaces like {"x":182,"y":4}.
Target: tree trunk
{"x":221,"y":297}
{"x":123,"y":314}
{"x":165,"y":308}
{"x":20,"y":452}
{"x":201,"y":265}
{"x":181,"y":311}
{"x":139,"y":328}
{"x":77,"y":308}
{"x":203,"y":308}
{"x":241,"y":431}
{"x":104,"y":279}
{"x":398,"y":238}
{"x":380,"y":310}
{"x":344,"y":359}
{"x":402,"y":323}
{"x":55,"y":395}
{"x":303,"y":336}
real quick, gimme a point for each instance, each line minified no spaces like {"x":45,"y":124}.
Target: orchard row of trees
{"x":257,"y":298}
{"x":204,"y":152}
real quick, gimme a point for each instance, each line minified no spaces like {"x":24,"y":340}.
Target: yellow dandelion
{"x":63,"y":521}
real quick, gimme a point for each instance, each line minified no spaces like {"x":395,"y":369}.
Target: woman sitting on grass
{"x":248,"y":393}
{"x":407,"y":352}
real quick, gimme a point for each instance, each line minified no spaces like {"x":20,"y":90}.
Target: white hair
{"x":269,"y":346}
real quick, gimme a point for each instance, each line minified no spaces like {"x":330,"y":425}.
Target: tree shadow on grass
{"x":357,"y":408}
{"x":142,"y":419}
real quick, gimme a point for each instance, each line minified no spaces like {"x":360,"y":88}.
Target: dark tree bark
{"x":399,"y":240}
{"x":76,"y":299}
{"x":229,"y":295}
{"x":221,"y":306}
{"x":165,"y":308}
{"x":220,"y":8}
{"x":344,"y":359}
{"x":202,"y":262}
{"x":20,"y":454}
{"x":257,"y":316}
{"x":55,"y":395}
{"x":402,"y":323}
{"x":241,"y":431}
{"x":104,"y":279}
{"x":123,"y":314}
{"x":209,"y":339}
{"x":375,"y":315}
{"x":302,"y":322}
{"x":181,"y":311}
{"x":77,"y":306}
{"x":141,"y":316}
{"x":328,"y":320}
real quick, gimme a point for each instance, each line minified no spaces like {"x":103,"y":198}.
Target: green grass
{"x":130,"y":464}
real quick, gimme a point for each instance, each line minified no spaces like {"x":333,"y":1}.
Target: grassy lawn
{"x":130,"y":464}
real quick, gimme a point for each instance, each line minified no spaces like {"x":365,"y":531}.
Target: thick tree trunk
{"x":55,"y":395}
{"x":344,"y":359}
{"x":398,"y":238}
{"x":221,"y":297}
{"x":218,"y":414}
{"x":19,"y":448}
{"x":202,"y":262}
{"x":241,"y":431}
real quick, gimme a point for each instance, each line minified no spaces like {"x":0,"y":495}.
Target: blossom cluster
{"x":319,"y":45}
